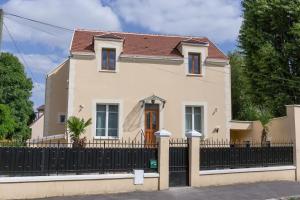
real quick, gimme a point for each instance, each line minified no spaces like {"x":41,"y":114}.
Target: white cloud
{"x":40,"y":63}
{"x":217,"y":19}
{"x":65,"y":13}
{"x":38,"y":94}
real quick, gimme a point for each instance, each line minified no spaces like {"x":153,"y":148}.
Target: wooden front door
{"x":151,"y":122}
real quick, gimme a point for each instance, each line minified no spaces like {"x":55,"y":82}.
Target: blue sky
{"x":42,"y":48}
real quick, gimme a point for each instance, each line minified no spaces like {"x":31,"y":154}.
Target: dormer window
{"x":195,"y":63}
{"x":108,"y":59}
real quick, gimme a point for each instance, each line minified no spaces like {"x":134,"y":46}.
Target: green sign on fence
{"x":153,"y":164}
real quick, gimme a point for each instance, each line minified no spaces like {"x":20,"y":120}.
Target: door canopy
{"x":153,"y":99}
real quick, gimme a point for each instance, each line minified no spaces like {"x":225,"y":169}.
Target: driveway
{"x":253,"y":191}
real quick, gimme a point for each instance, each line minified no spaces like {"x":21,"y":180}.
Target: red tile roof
{"x":142,"y":44}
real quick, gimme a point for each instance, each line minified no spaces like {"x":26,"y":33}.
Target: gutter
{"x":146,"y":57}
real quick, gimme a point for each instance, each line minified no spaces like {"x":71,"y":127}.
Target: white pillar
{"x":293,"y":114}
{"x":194,"y":156}
{"x":163,"y":137}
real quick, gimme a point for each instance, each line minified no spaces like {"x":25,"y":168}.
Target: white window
{"x":194,"y":118}
{"x":61,"y":118}
{"x":107,"y":120}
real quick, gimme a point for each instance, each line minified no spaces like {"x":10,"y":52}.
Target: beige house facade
{"x":131,"y":84}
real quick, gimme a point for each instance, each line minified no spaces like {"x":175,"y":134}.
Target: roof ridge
{"x":150,"y":34}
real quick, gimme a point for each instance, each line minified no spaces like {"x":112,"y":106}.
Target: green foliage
{"x":248,"y":112}
{"x":15,"y":91}
{"x":76,"y":128}
{"x":7,"y":123}
{"x":270,"y":42}
{"x":239,"y":88}
{"x":243,"y":107}
{"x":264,"y":116}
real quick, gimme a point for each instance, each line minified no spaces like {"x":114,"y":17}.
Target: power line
{"x":40,"y":22}
{"x":262,"y":75}
{"x":33,"y":27}
{"x":19,"y":51}
{"x":1,"y":27}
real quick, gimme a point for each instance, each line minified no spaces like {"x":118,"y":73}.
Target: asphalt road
{"x":253,"y":191}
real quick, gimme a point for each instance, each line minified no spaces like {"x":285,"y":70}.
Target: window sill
{"x":108,"y":71}
{"x":106,"y":138}
{"x":197,"y":75}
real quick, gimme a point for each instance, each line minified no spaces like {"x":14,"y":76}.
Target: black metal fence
{"x":99,"y":156}
{"x":226,"y":155}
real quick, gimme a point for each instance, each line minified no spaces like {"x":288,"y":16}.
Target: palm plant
{"x":77,"y":127}
{"x":264,"y":116}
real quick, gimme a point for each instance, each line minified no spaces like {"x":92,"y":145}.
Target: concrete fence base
{"x":41,"y":187}
{"x":249,"y":175}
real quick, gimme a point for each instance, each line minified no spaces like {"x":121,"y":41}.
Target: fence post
{"x":163,"y":158}
{"x":194,"y":156}
{"x":293,"y":114}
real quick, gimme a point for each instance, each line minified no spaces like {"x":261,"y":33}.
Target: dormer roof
{"x":109,"y":36}
{"x":195,"y":42}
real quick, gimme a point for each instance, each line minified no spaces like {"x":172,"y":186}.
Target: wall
{"x":56,"y":99}
{"x":279,"y":130}
{"x":246,"y":177}
{"x":43,"y":189}
{"x":37,"y":128}
{"x":136,"y":81}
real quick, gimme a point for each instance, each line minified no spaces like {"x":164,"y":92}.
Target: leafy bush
{"x":7,"y":123}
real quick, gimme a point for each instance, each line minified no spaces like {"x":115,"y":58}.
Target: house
{"x":38,"y":124}
{"x":132,"y":83}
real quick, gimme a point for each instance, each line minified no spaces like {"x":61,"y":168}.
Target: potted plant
{"x":76,"y":128}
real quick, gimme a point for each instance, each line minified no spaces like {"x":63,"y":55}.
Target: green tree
{"x":7,"y":123}
{"x":239,"y":85}
{"x":270,"y":41}
{"x":15,"y":91}
{"x":76,"y":128}
{"x":242,"y":107}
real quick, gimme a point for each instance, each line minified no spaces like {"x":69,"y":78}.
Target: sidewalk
{"x":253,"y":191}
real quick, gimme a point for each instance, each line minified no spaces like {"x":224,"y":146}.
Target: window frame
{"x":106,"y":136}
{"x":107,"y":66}
{"x":193,"y":54}
{"x":204,"y":116}
{"x":59,"y":118}
{"x":193,"y":118}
